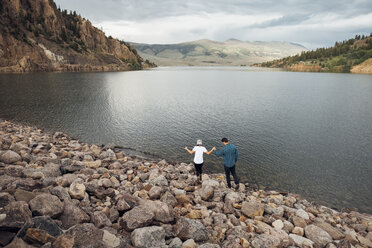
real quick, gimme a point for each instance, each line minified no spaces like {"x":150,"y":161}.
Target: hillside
{"x":37,"y":36}
{"x":353,"y":55}
{"x":207,"y":52}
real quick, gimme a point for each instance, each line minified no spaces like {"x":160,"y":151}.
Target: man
{"x":230,"y":157}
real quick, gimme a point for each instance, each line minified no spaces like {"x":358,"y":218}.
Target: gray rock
{"x":301,"y":241}
{"x":278,"y":224}
{"x":16,"y":214}
{"x":99,"y":219}
{"x":252,"y":209}
{"x":162,"y":211}
{"x":333,"y":231}
{"x":230,"y":199}
{"x":61,"y":193}
{"x":51,"y":170}
{"x":147,"y":237}
{"x":190,"y":243}
{"x":169,"y":199}
{"x":110,"y":239}
{"x":303,"y":214}
{"x":6,"y":237}
{"x":73,"y":215}
{"x":43,"y":223}
{"x":17,"y":171}
{"x":77,"y":190}
{"x":298,"y":221}
{"x":24,"y":195}
{"x":86,"y":235}
{"x":265,"y":240}
{"x":137,"y":217}
{"x":318,"y":235}
{"x":155,"y":192}
{"x":190,"y":229}
{"x":176,"y":243}
{"x":208,"y":245}
{"x":10,"y":157}
{"x":46,"y":204}
{"x":5,"y":199}
{"x":160,"y":180}
{"x":206,"y":192}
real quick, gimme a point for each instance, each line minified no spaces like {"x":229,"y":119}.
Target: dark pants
{"x":198,"y":169}
{"x":231,"y":170}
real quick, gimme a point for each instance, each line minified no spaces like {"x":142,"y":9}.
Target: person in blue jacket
{"x":230,"y":157}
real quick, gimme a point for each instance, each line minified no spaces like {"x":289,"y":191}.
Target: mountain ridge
{"x":209,"y":52}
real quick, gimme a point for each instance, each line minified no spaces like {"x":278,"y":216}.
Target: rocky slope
{"x":207,"y":52}
{"x":36,"y":36}
{"x":59,"y":192}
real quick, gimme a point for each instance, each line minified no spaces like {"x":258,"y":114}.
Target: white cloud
{"x":176,"y":29}
{"x":313,"y":23}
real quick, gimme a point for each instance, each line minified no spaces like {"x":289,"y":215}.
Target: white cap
{"x":199,"y":142}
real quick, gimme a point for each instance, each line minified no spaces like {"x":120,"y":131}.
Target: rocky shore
{"x":58,"y":192}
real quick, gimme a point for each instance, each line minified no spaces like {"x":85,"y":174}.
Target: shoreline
{"x":56,"y":191}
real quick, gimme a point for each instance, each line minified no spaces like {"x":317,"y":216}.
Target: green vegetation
{"x":339,"y":58}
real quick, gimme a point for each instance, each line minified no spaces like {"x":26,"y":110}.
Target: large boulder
{"x":265,"y":240}
{"x":252,"y":209}
{"x":5,"y":199}
{"x":147,"y":237}
{"x":155,"y":192}
{"x":230,"y":199}
{"x":301,"y":241}
{"x":10,"y":157}
{"x":51,"y":170}
{"x":111,"y":241}
{"x":190,"y":229}
{"x":46,"y":204}
{"x":44,"y":223}
{"x":86,"y":235}
{"x":162,"y":211}
{"x":137,"y":217}
{"x":318,"y":235}
{"x":73,"y":215}
{"x":333,"y":231}
{"x":206,"y":192}
{"x":16,"y":214}
{"x":100,"y":219}
{"x":24,"y":195}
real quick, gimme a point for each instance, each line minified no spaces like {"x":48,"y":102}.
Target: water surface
{"x":308,"y":133}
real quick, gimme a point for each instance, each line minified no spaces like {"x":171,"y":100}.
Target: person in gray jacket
{"x":230,"y":157}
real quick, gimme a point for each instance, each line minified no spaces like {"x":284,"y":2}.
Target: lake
{"x":307,"y":133}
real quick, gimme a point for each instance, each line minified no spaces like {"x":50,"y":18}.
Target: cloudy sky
{"x":312,"y":23}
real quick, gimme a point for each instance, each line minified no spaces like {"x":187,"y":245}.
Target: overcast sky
{"x":312,"y":23}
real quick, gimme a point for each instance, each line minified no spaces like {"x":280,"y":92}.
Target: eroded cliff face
{"x":36,"y":36}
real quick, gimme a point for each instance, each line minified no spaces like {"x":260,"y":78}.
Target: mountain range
{"x":207,"y":52}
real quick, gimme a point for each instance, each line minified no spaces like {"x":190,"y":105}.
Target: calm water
{"x":309,"y":133}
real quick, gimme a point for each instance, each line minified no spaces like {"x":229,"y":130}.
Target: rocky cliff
{"x":37,"y":36}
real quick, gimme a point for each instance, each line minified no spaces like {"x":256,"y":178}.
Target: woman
{"x":199,"y":150}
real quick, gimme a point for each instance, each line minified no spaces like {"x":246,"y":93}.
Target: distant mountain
{"x":37,"y":36}
{"x":208,"y":52}
{"x":353,"y":55}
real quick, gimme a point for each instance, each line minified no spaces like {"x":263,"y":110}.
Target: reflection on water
{"x":308,"y":133}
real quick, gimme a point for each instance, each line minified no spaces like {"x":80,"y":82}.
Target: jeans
{"x":198,"y":169}
{"x":227,"y":172}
